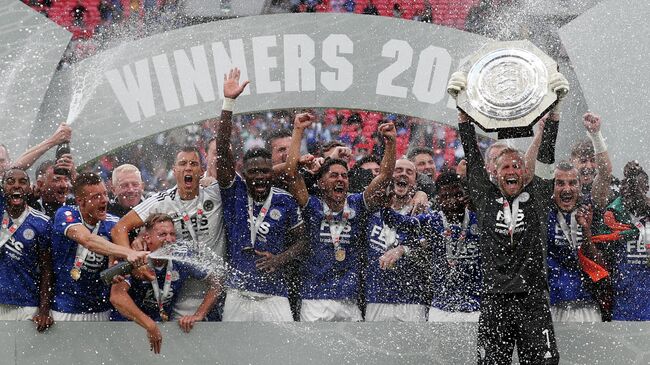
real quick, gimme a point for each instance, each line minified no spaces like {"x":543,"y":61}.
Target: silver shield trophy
{"x":508,"y":88}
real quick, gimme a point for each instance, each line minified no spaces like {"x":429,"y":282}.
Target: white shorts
{"x":81,"y":317}
{"x":16,"y":313}
{"x":576,"y":312}
{"x":438,"y":315}
{"x":243,"y":306}
{"x":316,"y":310}
{"x":384,"y":312}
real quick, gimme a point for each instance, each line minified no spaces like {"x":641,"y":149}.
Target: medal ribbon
{"x":570,"y":233}
{"x":8,"y":231}
{"x":166,"y":287}
{"x":82,"y":252}
{"x":255,"y":224}
{"x":447,"y":233}
{"x":199,"y":215}
{"x":336,"y":227}
{"x":510,"y":215}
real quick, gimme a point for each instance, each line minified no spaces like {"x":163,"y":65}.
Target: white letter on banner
{"x":193,"y":77}
{"x":131,"y":93}
{"x":223,"y":62}
{"x":298,"y":54}
{"x":264,"y":64}
{"x":404,"y":53}
{"x":431,"y":77}
{"x":332,"y":46}
{"x":166,"y":82}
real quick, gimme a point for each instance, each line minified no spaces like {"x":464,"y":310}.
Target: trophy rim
{"x":539,"y":99}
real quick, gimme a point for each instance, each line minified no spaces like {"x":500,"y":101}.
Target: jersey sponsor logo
{"x":462,"y":249}
{"x":378,"y":239}
{"x":29,"y":234}
{"x":14,"y":249}
{"x":502,"y":228}
{"x":560,"y":239}
{"x":636,"y":252}
{"x":262,"y":231}
{"x":94,"y":261}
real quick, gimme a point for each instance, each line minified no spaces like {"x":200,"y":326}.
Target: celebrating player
{"x":264,"y":226}
{"x":80,"y":251}
{"x":25,"y":261}
{"x":331,"y":270}
{"x":513,"y":218}
{"x":147,"y":302}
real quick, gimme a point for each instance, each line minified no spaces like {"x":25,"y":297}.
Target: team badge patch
{"x":275,"y":214}
{"x":29,"y":234}
{"x":523,"y":197}
{"x":175,"y":275}
{"x":473,"y":229}
{"x":68,"y":216}
{"x":208,"y":205}
{"x":353,"y":213}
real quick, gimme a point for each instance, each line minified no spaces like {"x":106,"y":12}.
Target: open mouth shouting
{"x":188,"y":180}
{"x":16,"y":198}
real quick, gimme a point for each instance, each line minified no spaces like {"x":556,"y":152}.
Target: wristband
{"x":598,"y":142}
{"x":228,"y":104}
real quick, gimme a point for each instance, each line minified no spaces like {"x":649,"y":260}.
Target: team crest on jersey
{"x":353,"y":213}
{"x":275,"y":214}
{"x":523,"y":197}
{"x":68,"y":216}
{"x":29,"y":234}
{"x":175,"y":275}
{"x":208,"y":205}
{"x":473,"y":229}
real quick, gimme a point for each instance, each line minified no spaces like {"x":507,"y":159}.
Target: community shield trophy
{"x":508,"y":88}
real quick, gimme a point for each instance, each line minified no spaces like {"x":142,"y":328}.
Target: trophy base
{"x":520,"y":132}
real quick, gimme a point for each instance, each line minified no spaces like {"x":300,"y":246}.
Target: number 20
{"x":431,"y":75}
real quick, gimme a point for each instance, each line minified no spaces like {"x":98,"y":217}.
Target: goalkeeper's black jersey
{"x":517,"y":263}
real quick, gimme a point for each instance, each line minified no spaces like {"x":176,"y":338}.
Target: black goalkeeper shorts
{"x":521,"y":319}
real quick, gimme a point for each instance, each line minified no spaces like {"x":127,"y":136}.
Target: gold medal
{"x":75,"y":273}
{"x":163,"y":316}
{"x":339,"y":254}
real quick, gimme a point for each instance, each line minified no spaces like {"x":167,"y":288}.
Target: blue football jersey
{"x":456,"y":275}
{"x":566,"y":279}
{"x":19,"y":260}
{"x":273,"y":235}
{"x":405,"y":282}
{"x":142,"y":292}
{"x":88,"y":294}
{"x":325,"y":277}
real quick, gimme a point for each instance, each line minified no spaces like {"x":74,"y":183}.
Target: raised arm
{"x":600,"y":188}
{"x":120,"y":232}
{"x":370,"y":195}
{"x":546,"y":155}
{"x":100,"y":245}
{"x":532,"y":151}
{"x":62,"y":134}
{"x":225,"y":163}
{"x":295,"y":182}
